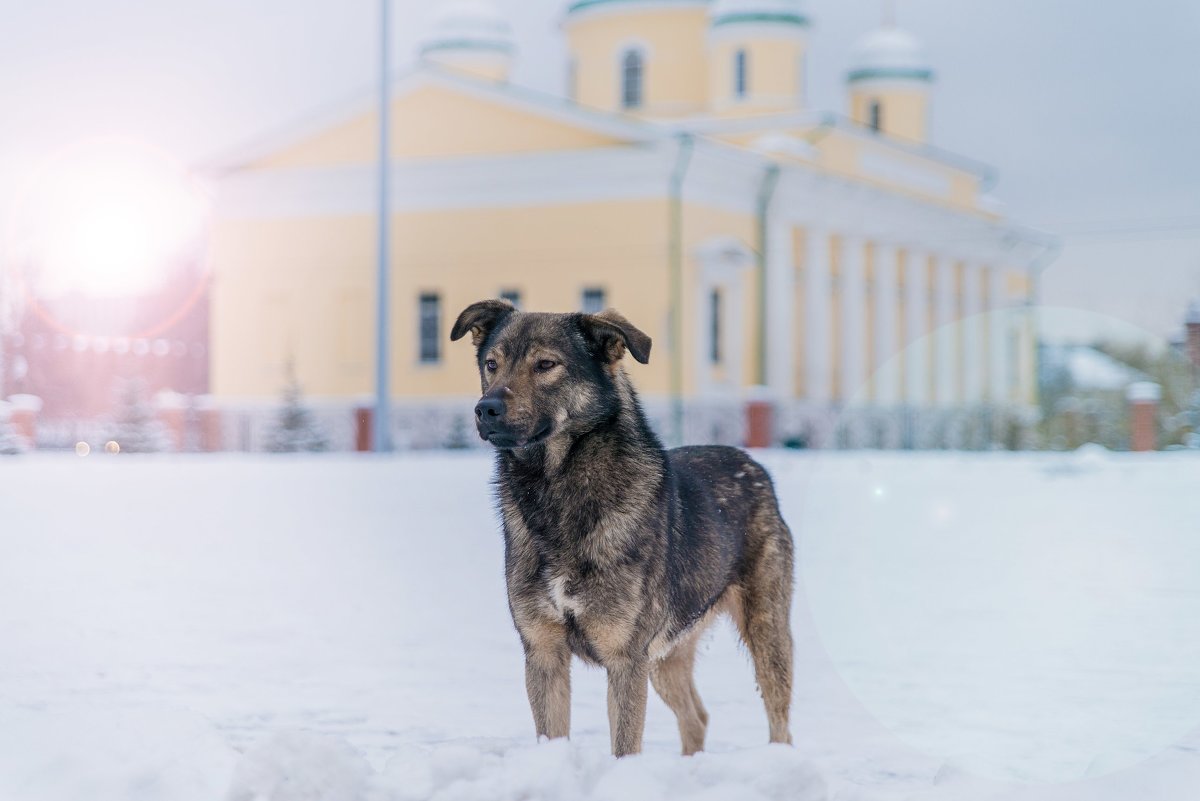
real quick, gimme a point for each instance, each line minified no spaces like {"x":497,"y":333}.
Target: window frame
{"x":594,"y":292}
{"x":633,"y":78}
{"x":512,"y":295}
{"x":741,"y":73}
{"x":429,"y":340}
{"x":715,"y":329}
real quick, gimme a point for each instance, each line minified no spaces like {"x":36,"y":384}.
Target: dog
{"x":618,"y":551}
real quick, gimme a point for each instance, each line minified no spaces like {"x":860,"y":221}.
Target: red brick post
{"x":759,"y":419}
{"x":172,"y":413}
{"x":1143,"y":415}
{"x":24,"y":415}
{"x":212,"y":434}
{"x":363,"y":418}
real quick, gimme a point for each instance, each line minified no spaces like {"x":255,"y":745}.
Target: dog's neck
{"x":623,"y":436}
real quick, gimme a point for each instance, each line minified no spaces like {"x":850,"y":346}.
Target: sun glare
{"x":108,"y":218}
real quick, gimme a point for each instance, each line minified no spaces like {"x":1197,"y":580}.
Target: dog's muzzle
{"x":494,"y":428}
{"x":489,"y":420}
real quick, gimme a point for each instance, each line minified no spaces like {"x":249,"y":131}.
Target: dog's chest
{"x":563,"y":595}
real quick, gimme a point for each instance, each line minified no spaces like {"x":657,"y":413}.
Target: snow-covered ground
{"x":334,"y":629}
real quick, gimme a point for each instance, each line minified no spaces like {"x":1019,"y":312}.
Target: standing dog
{"x":616,"y":550}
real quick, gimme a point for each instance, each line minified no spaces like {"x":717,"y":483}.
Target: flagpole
{"x":381,"y":428}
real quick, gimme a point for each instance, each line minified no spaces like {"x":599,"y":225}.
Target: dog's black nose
{"x":489,"y":409}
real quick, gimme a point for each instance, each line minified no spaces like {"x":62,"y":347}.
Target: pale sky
{"x":1089,"y":109}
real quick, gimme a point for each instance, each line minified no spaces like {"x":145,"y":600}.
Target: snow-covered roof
{"x":782,"y":12}
{"x":1145,"y":392}
{"x":889,"y":53}
{"x":1193,"y":313}
{"x":1087,"y":368}
{"x":468,"y":25}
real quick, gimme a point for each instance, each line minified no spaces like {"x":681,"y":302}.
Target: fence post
{"x":1143,"y":415}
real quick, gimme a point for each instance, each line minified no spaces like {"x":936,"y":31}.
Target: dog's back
{"x":728,"y":515}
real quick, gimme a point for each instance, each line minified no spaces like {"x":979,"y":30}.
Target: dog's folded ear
{"x":480,"y":319}
{"x":613,"y":334}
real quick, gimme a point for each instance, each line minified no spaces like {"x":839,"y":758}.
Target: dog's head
{"x":545,"y":375}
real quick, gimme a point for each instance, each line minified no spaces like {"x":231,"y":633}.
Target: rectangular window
{"x":513,"y":296}
{"x":429,"y":320}
{"x":632,"y":68}
{"x":739,"y":74}
{"x":593,"y":300}
{"x":714,"y":321}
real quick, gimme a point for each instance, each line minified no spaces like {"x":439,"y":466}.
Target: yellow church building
{"x":838,"y":268}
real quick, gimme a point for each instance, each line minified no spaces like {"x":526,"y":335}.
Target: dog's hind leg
{"x":672,"y":678}
{"x":762,"y":618}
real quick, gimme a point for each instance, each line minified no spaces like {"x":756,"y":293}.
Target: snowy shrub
{"x":11,"y":443}
{"x":295,"y":430}
{"x":137,"y":428}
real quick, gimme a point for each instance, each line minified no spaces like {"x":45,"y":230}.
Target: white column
{"x":854,"y":329}
{"x":887,"y":366}
{"x":1027,"y":344}
{"x":945,"y":365}
{"x":817,"y":297}
{"x":916,"y":312}
{"x":998,"y":320}
{"x":974,"y":361}
{"x":781,"y":294}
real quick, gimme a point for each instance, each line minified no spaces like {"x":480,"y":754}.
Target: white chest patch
{"x":562,"y":602}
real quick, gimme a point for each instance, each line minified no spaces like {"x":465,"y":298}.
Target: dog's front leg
{"x":548,"y":682}
{"x":627,"y":688}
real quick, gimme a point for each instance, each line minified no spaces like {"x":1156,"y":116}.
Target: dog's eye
{"x":545,"y":365}
{"x":491,"y":365}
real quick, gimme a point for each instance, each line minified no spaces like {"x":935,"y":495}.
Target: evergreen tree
{"x":458,"y":439}
{"x":295,"y":430}
{"x":11,"y":443}
{"x":137,"y":428}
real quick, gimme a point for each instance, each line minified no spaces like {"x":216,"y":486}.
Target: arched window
{"x":633,"y":70}
{"x":740,"y":76}
{"x":875,"y":116}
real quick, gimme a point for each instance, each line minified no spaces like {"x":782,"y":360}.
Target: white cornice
{"x":720,"y":176}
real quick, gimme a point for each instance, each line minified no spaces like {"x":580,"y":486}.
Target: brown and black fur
{"x":616,"y":550}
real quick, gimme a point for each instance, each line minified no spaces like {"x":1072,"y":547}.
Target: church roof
{"x":586,"y":5}
{"x":468,"y":25}
{"x":889,"y":52}
{"x":1193,"y":313}
{"x":787,"y":12}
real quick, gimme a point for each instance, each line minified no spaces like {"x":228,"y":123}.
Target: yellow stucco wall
{"x":800,"y":263}
{"x":299,"y":290}
{"x":675,"y":48}
{"x":433,"y":121}
{"x":302,"y":290}
{"x":280,"y":274}
{"x":774,"y":71}
{"x":905,"y":112}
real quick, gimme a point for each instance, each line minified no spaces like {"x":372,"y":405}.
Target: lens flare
{"x":107,"y":218}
